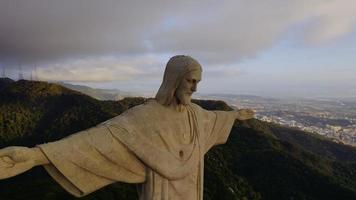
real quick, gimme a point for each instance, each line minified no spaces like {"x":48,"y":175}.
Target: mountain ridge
{"x":259,"y":161}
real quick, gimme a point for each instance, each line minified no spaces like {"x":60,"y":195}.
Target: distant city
{"x":335,"y":119}
{"x":332,"y":118}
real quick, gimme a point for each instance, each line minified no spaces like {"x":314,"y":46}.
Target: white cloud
{"x":215,"y":32}
{"x":98,"y":69}
{"x":332,"y":20}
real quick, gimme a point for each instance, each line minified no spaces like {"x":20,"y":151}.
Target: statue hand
{"x":16,"y":160}
{"x":244,"y":114}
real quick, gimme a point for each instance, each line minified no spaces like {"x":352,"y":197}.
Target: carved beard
{"x":184,"y":99}
{"x":176,"y":67}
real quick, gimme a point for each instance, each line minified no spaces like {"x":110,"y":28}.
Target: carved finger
{"x":6,"y":151}
{"x":4,"y":165}
{"x":7,"y":159}
{"x":15,"y":170}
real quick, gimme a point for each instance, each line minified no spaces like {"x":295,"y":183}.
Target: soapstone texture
{"x":159,"y":145}
{"x":153,"y":145}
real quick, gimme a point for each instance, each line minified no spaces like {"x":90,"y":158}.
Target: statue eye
{"x":194,"y":81}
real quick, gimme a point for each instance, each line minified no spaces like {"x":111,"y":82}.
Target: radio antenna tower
{"x":35,"y":75}
{"x":3,"y":75}
{"x":20,"y":73}
{"x":31,"y":76}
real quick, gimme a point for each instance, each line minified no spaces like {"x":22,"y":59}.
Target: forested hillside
{"x":259,"y":161}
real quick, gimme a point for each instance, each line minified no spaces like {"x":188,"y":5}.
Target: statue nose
{"x":194,"y":88}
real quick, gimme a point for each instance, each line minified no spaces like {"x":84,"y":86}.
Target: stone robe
{"x":155,"y":146}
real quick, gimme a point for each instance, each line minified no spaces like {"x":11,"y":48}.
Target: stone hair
{"x":176,"y":68}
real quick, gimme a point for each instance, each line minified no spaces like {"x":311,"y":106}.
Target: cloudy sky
{"x":269,"y":47}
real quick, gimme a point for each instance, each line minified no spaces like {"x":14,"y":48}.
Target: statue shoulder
{"x":135,"y":111}
{"x":148,"y":105}
{"x":196,"y":107}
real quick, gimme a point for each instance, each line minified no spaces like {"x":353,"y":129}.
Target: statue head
{"x":180,"y":80}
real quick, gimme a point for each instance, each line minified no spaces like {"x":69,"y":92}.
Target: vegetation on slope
{"x":259,"y":161}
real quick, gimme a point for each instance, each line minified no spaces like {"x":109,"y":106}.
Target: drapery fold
{"x":155,"y":146}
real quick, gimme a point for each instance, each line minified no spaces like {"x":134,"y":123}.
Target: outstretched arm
{"x":16,"y":160}
{"x":244,"y":114}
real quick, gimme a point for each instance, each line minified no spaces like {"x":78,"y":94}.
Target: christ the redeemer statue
{"x":159,"y":146}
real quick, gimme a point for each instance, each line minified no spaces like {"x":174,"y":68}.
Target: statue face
{"x":187,"y":87}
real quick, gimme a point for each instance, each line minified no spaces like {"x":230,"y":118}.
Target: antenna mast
{"x":20,"y":73}
{"x":3,"y":75}
{"x":35,"y":75}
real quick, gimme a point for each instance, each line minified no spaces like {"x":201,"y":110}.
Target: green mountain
{"x":32,"y":112}
{"x":100,"y":94}
{"x":259,"y":161}
{"x":5,"y":81}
